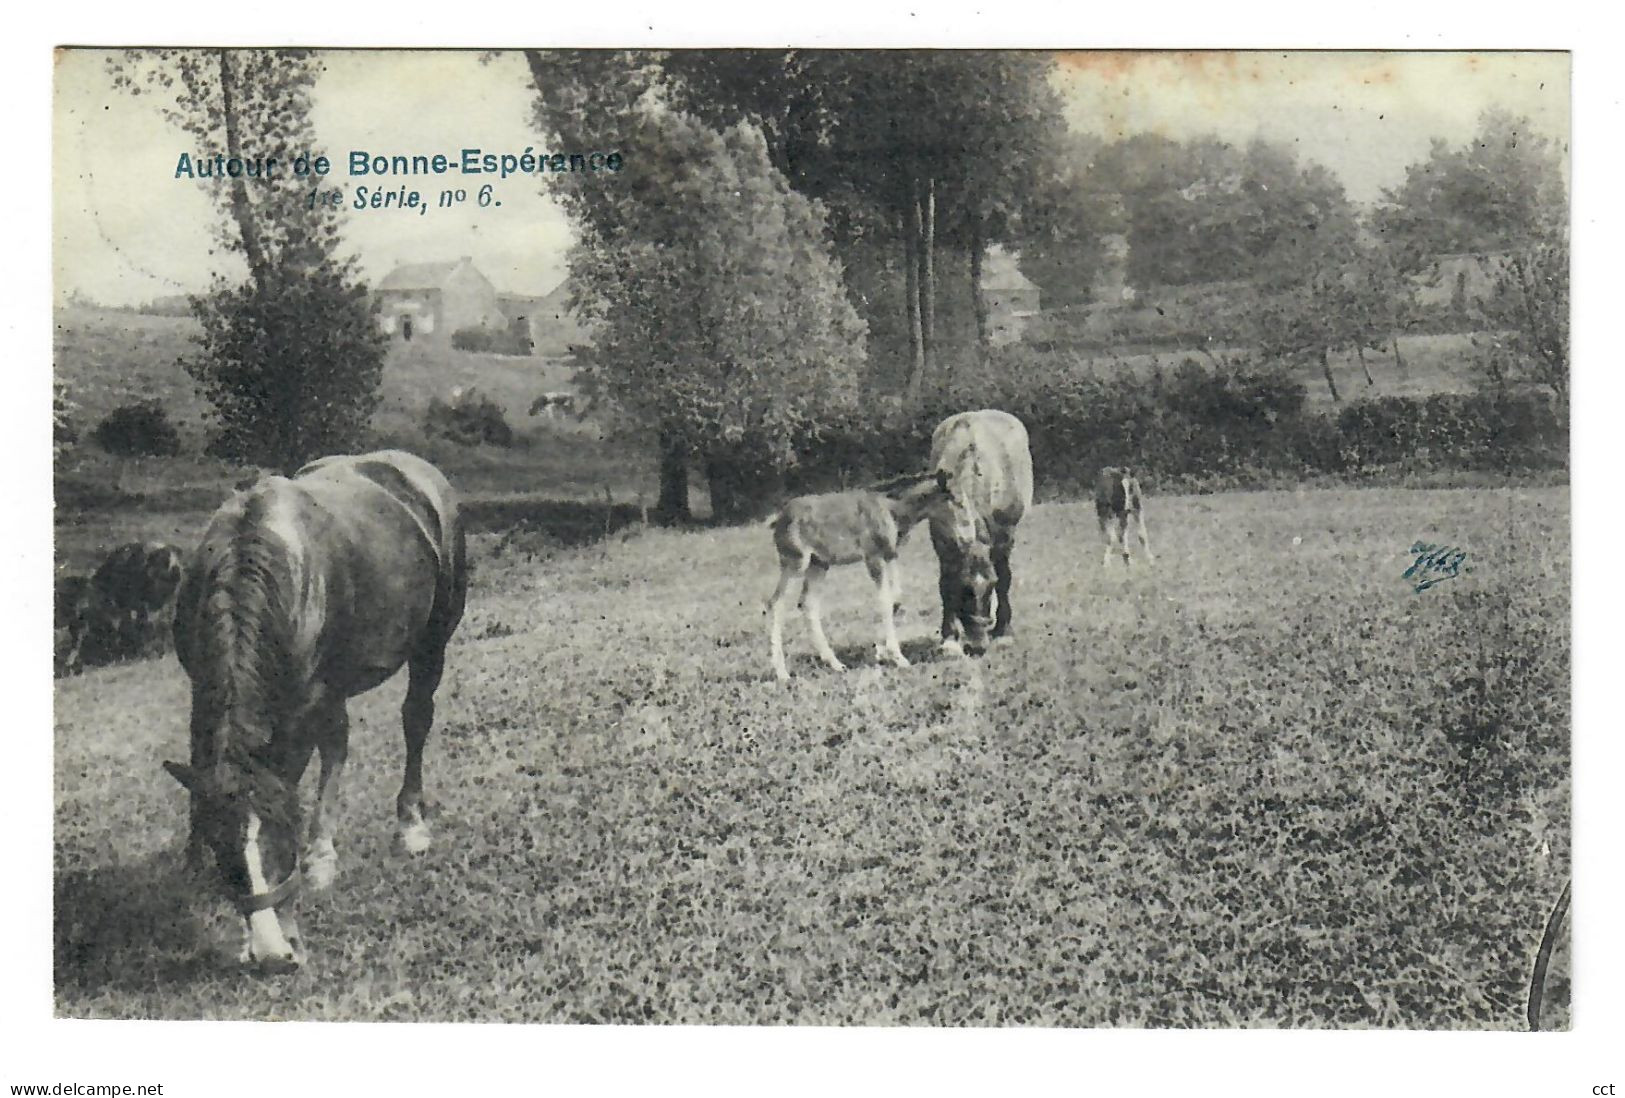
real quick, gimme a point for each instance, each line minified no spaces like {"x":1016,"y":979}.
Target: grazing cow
{"x":123,"y":610}
{"x":303,"y":594}
{"x":552,"y":403}
{"x":990,"y":473}
{"x":1117,"y":499}
{"x":816,"y":533}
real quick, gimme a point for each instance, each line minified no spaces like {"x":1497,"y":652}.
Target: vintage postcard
{"x":813,"y":537}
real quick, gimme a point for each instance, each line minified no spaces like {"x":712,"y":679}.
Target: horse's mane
{"x":248,"y":639}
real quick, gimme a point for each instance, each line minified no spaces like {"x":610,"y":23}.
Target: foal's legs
{"x":1105,"y":520}
{"x":321,"y":859}
{"x":1120,"y":532}
{"x":884,"y":573}
{"x":790,"y":570}
{"x":809,"y":602}
{"x":417,"y":715}
{"x":1145,"y":542}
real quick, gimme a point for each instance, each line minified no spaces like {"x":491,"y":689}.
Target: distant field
{"x":111,"y":358}
{"x":1263,"y":783}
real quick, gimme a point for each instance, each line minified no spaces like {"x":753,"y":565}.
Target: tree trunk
{"x":911,"y":264}
{"x":1399,"y":360}
{"x":1326,"y":370}
{"x":740,"y":491}
{"x":978,"y":300}
{"x":722,"y":482}
{"x":928,"y":279}
{"x":672,"y":506}
{"x":1360,"y":351}
{"x":242,"y":211}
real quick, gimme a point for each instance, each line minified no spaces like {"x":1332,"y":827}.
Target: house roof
{"x":421,"y":276}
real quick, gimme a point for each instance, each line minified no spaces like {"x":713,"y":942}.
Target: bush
{"x":468,"y":418}
{"x":1454,"y":430}
{"x":1192,"y":425}
{"x":493,"y":341}
{"x":139,"y":429}
{"x":291,"y":366}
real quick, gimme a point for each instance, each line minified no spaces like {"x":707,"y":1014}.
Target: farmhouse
{"x":433,"y":300}
{"x":1012,"y":297}
{"x":552,"y":327}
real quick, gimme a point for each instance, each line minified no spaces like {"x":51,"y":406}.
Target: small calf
{"x":1117,"y":499}
{"x":816,"y":533}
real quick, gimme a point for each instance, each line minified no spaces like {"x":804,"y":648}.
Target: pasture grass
{"x":1262,"y":783}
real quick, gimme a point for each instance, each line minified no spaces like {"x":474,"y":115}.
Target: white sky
{"x":1363,"y":115}
{"x":126,"y":230}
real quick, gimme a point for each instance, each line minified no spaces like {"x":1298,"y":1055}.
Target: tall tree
{"x":719,"y":318}
{"x":290,"y":360}
{"x":926,"y":150}
{"x":1526,"y":315}
{"x":1502,"y":190}
{"x":1312,"y":293}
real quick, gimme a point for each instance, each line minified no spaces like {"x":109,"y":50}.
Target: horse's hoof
{"x":322,"y":869}
{"x":835,"y":665}
{"x":900,"y":660}
{"x":415,"y":838}
{"x":952,"y":647}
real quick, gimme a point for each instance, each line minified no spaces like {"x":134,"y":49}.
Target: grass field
{"x":1263,"y":783}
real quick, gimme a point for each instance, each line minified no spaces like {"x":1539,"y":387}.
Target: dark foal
{"x":1118,"y":500}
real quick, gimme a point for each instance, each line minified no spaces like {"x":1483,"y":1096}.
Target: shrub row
{"x":495,"y":341}
{"x":1197,"y":424}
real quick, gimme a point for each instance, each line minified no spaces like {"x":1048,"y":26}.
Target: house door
{"x":406,"y":328}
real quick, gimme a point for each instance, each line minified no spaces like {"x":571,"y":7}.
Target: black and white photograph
{"x":812,"y":537}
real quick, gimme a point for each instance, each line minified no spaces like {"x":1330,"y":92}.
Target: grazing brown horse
{"x":990,"y":473}
{"x":303,"y":594}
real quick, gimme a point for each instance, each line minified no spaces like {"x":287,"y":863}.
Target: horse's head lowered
{"x":964,"y":546}
{"x":250,"y":821}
